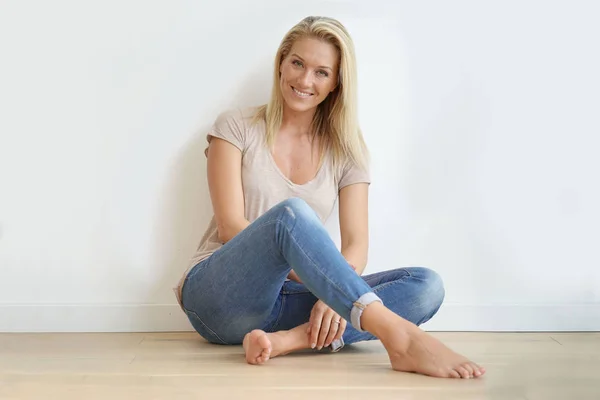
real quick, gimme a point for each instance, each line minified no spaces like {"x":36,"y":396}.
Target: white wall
{"x":482,"y":119}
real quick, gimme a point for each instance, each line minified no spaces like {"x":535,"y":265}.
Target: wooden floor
{"x":177,"y":366}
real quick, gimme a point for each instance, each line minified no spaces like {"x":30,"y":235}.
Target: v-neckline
{"x":288,"y":180}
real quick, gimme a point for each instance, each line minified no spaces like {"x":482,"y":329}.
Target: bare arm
{"x":354,"y":229}
{"x":225,"y":185}
{"x":354,"y":224}
{"x":226,"y":194}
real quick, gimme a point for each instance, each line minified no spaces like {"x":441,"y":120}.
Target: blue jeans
{"x":243,"y":286}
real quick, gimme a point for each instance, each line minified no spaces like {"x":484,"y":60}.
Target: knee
{"x":432,"y":292}
{"x":297,"y":208}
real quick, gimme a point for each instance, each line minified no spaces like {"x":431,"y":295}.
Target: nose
{"x":305,"y":79}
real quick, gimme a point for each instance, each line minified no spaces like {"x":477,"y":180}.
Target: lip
{"x":300,"y":97}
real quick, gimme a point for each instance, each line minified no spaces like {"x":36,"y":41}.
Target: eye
{"x":297,"y":62}
{"x":323,"y":73}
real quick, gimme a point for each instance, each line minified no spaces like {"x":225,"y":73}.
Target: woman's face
{"x":308,"y":73}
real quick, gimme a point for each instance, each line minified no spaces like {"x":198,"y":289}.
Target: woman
{"x":267,"y":274}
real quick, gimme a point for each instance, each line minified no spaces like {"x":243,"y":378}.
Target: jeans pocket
{"x":202,"y":329}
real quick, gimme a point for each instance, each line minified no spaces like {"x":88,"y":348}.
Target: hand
{"x":325,"y":326}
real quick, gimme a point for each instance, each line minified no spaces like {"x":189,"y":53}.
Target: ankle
{"x":279,"y":340}
{"x":384,"y":323}
{"x":377,"y":319}
{"x":285,"y":342}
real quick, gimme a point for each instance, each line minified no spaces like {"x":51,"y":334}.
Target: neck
{"x":297,"y":121}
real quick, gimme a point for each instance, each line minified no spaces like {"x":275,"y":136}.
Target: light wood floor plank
{"x":521,"y":366}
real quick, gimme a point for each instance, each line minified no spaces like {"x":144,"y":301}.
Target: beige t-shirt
{"x":264,"y":185}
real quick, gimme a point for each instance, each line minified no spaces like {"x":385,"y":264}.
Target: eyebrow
{"x":322,"y":66}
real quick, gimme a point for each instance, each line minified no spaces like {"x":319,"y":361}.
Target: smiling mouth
{"x":301,"y":94}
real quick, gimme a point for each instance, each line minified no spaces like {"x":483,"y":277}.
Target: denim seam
{"x":290,"y":292}
{"x":203,"y":324}
{"x":208,"y":261}
{"x":315,"y":264}
{"x":192,"y":272}
{"x":195,"y":269}
{"x":279,"y":315}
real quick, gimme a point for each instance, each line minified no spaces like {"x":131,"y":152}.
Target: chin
{"x":299,"y":107}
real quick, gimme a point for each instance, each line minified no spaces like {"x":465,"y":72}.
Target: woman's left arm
{"x":354,"y":224}
{"x":354,"y":229}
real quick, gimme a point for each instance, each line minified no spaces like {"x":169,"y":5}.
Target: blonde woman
{"x":267,"y":274}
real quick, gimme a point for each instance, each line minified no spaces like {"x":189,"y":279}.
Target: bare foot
{"x":420,"y":352}
{"x":261,"y":346}
{"x":412,"y":350}
{"x":258,"y":347}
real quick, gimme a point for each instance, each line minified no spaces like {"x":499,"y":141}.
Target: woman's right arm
{"x":224,"y":169}
{"x":226,"y":194}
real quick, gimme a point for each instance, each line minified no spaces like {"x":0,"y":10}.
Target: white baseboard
{"x":93,"y":318}
{"x":516,"y":318}
{"x":168,"y":317}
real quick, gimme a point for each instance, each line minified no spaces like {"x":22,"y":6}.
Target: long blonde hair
{"x":336,"y":118}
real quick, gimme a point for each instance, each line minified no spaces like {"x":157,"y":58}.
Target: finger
{"x":315,"y":326}
{"x":333,"y":330}
{"x":325,"y":327}
{"x":316,"y":320}
{"x":341,"y":330}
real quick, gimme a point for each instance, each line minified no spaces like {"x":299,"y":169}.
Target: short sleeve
{"x":229,"y":126}
{"x":352,"y":173}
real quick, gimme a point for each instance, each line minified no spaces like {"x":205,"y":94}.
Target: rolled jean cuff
{"x":359,"y":306}
{"x":336,"y":345}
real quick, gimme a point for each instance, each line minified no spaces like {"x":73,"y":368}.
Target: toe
{"x":477,"y":370}
{"x":454,"y":374}
{"x":265,"y":343}
{"x":463,"y":372}
{"x":469,"y":368}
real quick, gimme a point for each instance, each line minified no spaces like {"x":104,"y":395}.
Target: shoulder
{"x":241,"y":114}
{"x":234,"y":125}
{"x":240,"y":119}
{"x":348,"y":173}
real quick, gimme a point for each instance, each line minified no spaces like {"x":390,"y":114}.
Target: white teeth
{"x":302,"y":94}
